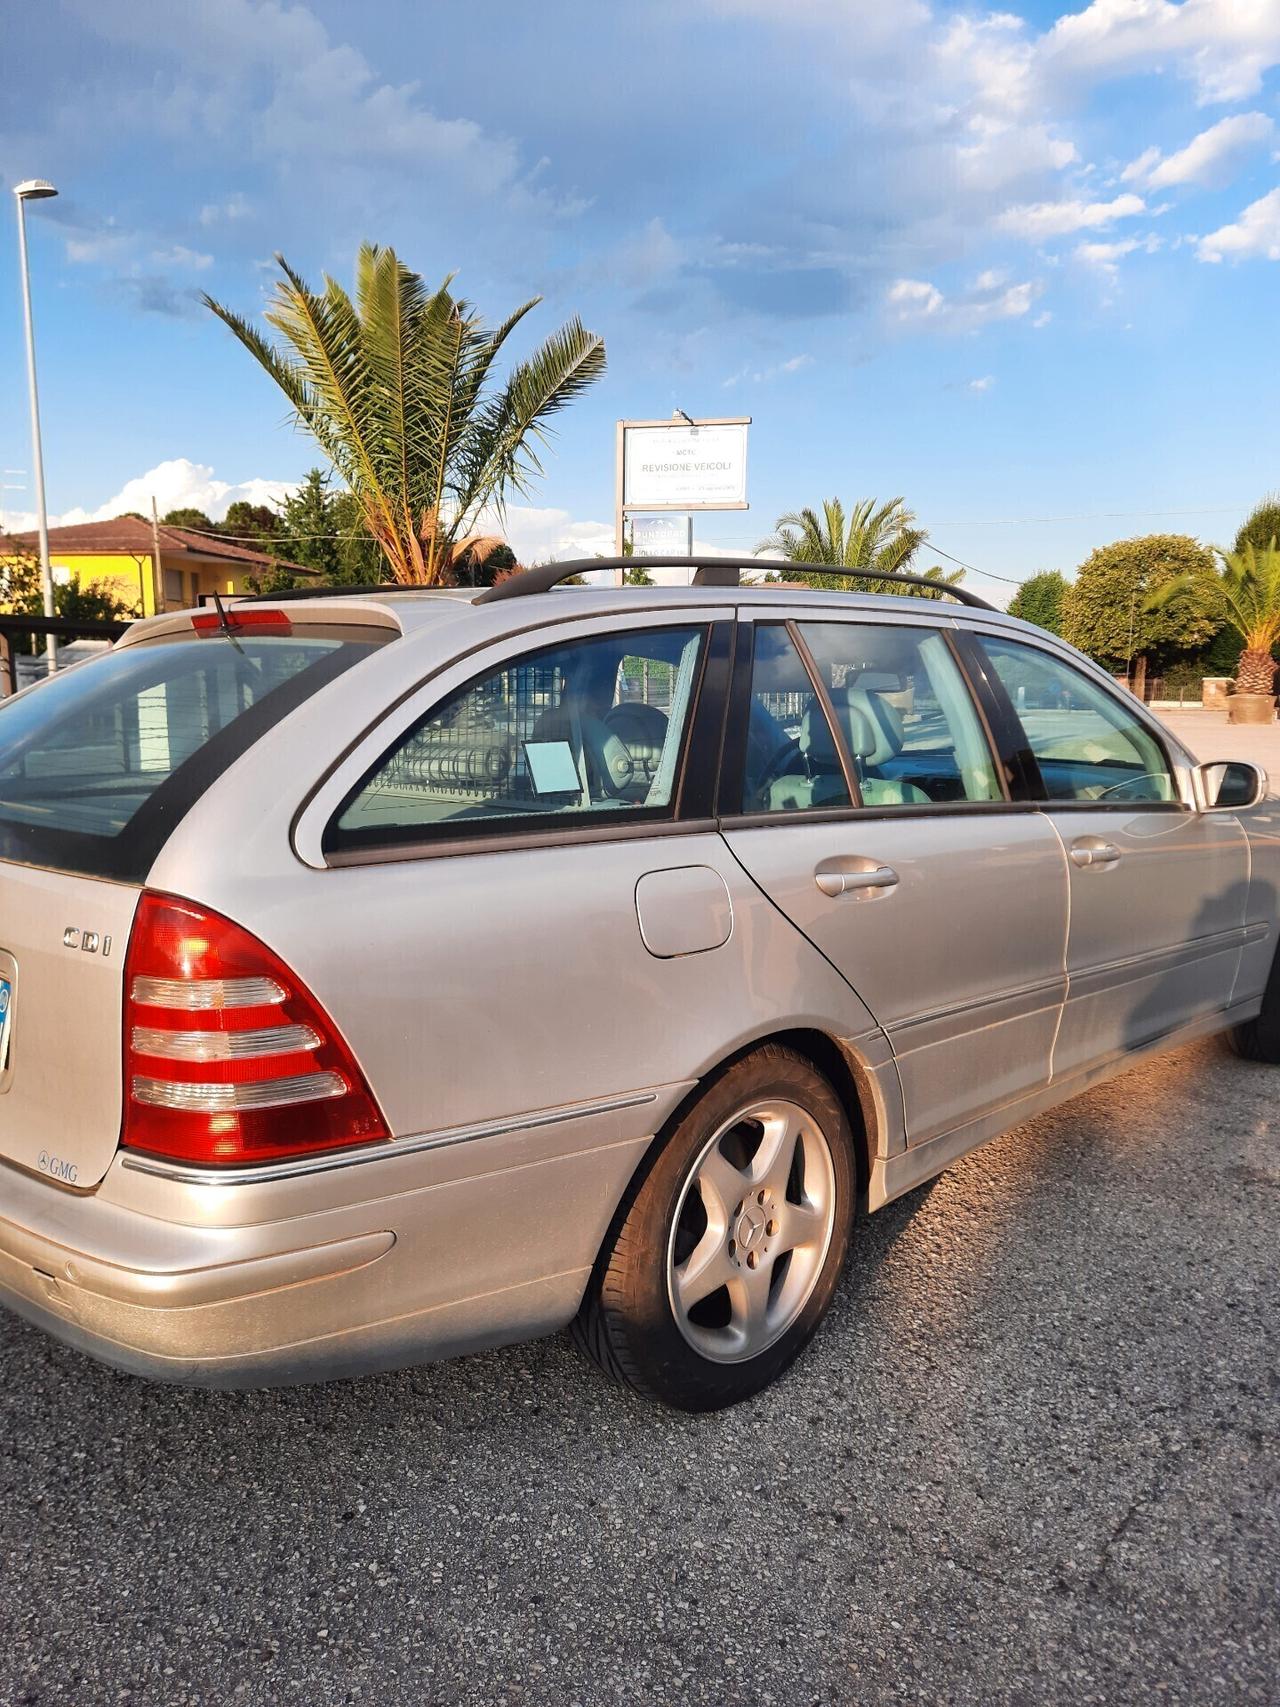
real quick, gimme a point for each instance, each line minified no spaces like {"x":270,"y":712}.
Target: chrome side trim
{"x":1051,"y":988}
{"x":382,"y":1151}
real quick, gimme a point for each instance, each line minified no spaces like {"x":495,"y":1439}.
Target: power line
{"x":1086,"y":516}
{"x":982,"y":574}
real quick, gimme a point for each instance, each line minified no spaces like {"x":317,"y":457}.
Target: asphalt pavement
{"x":1033,"y":1456}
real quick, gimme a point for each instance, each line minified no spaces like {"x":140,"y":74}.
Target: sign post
{"x":679,"y":465}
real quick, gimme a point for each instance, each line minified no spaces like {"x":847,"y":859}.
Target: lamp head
{"x":34,"y":190}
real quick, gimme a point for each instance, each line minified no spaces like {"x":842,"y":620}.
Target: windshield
{"x":100,"y":763}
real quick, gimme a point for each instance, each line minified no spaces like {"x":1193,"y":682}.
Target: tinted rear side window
{"x":100,"y":764}
{"x":585,"y":732}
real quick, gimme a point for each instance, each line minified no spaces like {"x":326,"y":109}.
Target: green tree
{"x":187,"y":518}
{"x":322,"y":529}
{"x":1109,"y":611}
{"x":257,"y":524}
{"x":882,"y":537}
{"x":308,"y":526}
{"x":398,"y":389}
{"x":1040,"y":600}
{"x":98,"y":601}
{"x":1261,"y":527}
{"x":1247,"y":596}
{"x":361,"y":561}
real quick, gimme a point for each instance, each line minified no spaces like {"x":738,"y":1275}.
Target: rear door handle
{"x":836,"y":877}
{"x":1089,"y":850}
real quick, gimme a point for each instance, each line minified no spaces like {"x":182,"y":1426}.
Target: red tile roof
{"x":130,"y":536}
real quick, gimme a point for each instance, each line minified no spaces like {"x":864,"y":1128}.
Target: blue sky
{"x":1013,"y":265}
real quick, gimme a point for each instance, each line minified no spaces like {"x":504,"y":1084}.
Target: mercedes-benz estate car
{"x":389,"y":974}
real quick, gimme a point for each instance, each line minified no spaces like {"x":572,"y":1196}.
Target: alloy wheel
{"x":751,"y":1231}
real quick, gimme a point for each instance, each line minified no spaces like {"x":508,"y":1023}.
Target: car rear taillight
{"x":227,"y":1058}
{"x":249,"y":618}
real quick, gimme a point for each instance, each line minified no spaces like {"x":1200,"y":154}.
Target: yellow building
{"x":122,"y":554}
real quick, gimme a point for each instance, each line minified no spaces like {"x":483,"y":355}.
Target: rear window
{"x":99,"y":764}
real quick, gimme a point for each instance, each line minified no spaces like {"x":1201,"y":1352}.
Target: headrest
{"x":884,"y":724}
{"x":862,"y":737}
{"x":816,"y":741}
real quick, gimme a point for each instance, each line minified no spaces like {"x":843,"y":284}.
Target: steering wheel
{"x":1130,"y":782}
{"x":611,"y":758}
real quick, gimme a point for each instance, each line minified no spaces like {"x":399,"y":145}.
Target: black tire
{"x":1259,"y":1039}
{"x":627,"y":1322}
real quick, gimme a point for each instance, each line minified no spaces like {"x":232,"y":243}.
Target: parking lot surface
{"x":1210,"y":737}
{"x":1034,"y":1456}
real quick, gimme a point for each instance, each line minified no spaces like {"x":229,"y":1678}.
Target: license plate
{"x":6,"y":1021}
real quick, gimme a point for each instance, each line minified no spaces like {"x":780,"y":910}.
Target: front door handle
{"x":1092,"y":850}
{"x":840,"y":877}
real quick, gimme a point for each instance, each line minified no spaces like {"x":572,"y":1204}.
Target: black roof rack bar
{"x":709,"y":572}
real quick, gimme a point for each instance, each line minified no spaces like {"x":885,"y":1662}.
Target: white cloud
{"x":235,"y":207}
{"x":997,"y":153}
{"x":274,"y":83}
{"x":176,"y":484}
{"x":982,"y":384}
{"x":776,"y":370}
{"x":996,"y":56}
{"x":178,"y":255}
{"x":544,"y":535}
{"x":1207,"y":159}
{"x":1106,"y":257}
{"x":917,"y":304}
{"x":1039,"y":220}
{"x":642,"y":258}
{"x":1255,"y":234}
{"x":1223,"y":46}
{"x":103,"y":245}
{"x":547,"y":535}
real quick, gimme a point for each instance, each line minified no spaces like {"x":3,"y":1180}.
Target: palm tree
{"x":1247,"y":595}
{"x":882,"y":537}
{"x":396,"y":389}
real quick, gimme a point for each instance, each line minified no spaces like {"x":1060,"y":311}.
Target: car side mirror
{"x":1229,"y":784}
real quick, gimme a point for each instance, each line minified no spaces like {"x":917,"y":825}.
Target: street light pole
{"x":36,"y":189}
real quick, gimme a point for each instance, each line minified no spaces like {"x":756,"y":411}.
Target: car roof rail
{"x":708,"y":572}
{"x":326,"y":592}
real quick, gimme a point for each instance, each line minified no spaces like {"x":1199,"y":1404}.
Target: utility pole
{"x":619,"y":513}
{"x":36,"y":189}
{"x":157,"y":575}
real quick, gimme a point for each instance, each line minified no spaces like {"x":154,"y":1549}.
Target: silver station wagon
{"x":388,"y":974}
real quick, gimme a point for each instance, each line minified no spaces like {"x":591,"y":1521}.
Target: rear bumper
{"x":382,"y":1265}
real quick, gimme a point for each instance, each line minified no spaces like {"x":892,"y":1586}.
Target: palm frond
{"x":397,"y":387}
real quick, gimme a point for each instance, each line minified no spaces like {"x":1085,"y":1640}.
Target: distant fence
{"x":1155,"y":689}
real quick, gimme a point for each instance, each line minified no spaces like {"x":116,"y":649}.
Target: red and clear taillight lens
{"x":227,"y":1057}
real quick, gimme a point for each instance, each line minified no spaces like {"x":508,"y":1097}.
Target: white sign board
{"x":679,"y":467}
{"x":662,"y":536}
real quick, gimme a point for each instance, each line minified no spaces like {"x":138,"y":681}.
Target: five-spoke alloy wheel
{"x":725,"y":1256}
{"x":751,"y":1231}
